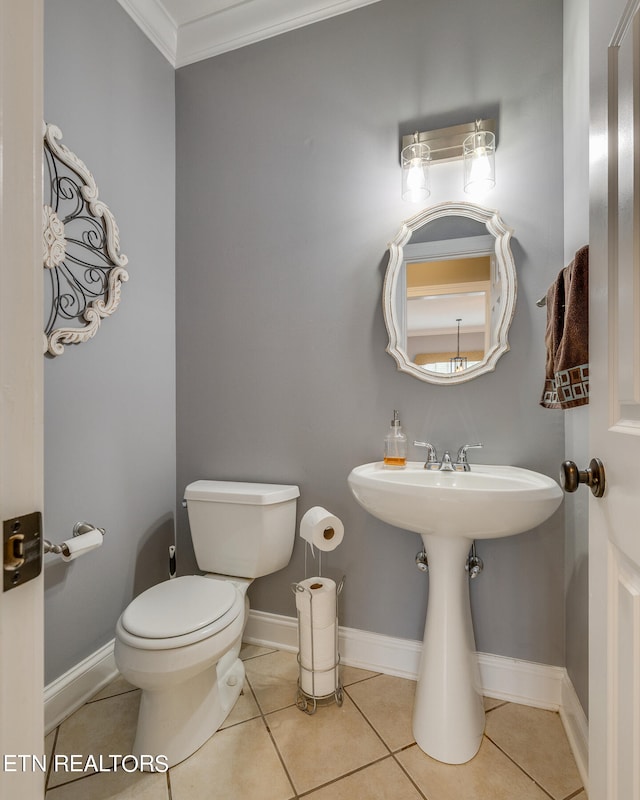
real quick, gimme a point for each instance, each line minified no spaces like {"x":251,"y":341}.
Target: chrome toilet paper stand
{"x":309,"y":702}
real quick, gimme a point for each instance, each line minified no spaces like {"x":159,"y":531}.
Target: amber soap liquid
{"x":394,"y":461}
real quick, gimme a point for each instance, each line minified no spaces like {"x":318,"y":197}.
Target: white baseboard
{"x":372,"y":651}
{"x":576,"y":727}
{"x":271,"y":630}
{"x":504,"y":678}
{"x":70,"y":691}
{"x":517,"y":681}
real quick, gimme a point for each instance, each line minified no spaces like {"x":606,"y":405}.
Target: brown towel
{"x":567,"y":336}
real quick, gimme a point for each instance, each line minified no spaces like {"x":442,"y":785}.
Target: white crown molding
{"x":253,"y":21}
{"x":229,"y":28}
{"x":154,"y":21}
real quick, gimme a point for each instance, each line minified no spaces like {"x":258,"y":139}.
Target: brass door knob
{"x":571,"y":477}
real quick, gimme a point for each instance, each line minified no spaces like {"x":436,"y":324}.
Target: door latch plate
{"x":21,"y":549}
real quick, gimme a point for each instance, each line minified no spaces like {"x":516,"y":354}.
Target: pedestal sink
{"x":449,"y":510}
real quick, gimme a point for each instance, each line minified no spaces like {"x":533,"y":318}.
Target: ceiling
{"x":186,"y":31}
{"x":438,"y":314}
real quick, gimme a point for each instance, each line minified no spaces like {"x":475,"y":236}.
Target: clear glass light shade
{"x":479,"y":151}
{"x":415,"y":172}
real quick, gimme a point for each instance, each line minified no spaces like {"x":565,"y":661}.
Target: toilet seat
{"x":179,"y":612}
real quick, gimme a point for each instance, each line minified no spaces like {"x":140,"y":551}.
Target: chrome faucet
{"x":461,"y":464}
{"x":447,"y":465}
{"x":432,"y":457}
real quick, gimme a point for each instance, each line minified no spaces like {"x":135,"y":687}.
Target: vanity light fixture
{"x":473,"y":142}
{"x":457,"y":363}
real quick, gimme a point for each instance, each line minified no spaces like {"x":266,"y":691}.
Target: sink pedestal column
{"x":448,"y":716}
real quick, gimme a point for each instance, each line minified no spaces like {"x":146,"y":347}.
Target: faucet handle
{"x":431,"y":450}
{"x":461,"y":459}
{"x":432,"y":457}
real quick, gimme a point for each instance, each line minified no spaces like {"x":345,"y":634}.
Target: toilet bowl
{"x":188,"y":688}
{"x":180,"y":640}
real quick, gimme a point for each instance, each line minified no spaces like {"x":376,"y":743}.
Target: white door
{"x":614,"y":528}
{"x":21,"y":414}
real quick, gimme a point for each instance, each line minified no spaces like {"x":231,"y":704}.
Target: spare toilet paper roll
{"x":321,"y":529}
{"x":318,"y":648}
{"x":318,"y":684}
{"x":80,"y":545}
{"x":321,"y":592}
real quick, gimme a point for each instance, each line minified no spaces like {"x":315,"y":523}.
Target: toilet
{"x":179,"y":641}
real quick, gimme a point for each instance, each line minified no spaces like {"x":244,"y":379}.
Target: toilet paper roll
{"x":322,"y":593}
{"x":317,"y":646}
{"x":79,"y":545}
{"x":318,"y":684}
{"x":321,"y":529}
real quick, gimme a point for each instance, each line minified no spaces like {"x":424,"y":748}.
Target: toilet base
{"x":176,"y":721}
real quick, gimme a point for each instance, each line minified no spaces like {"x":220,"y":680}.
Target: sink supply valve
{"x":474,"y":565}
{"x":422,"y":562}
{"x":86,"y":537}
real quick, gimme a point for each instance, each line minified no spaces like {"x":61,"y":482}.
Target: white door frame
{"x":21,"y":382}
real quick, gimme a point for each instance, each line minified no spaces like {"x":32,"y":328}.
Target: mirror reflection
{"x":449,"y":293}
{"x":448,"y":304}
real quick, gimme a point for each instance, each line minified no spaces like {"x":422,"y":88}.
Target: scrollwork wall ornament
{"x":81,"y":249}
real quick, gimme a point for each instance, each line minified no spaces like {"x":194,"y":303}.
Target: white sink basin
{"x":449,"y":510}
{"x":487,"y":502}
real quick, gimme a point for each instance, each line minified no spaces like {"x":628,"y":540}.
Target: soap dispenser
{"x":395,"y":445}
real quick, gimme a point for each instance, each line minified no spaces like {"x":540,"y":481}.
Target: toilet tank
{"x":242,"y":529}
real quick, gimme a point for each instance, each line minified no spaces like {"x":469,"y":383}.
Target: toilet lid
{"x":178,"y":607}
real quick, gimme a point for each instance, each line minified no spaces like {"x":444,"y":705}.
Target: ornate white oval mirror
{"x":449,"y":293}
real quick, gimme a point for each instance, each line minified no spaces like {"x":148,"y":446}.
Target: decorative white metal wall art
{"x":80,"y":249}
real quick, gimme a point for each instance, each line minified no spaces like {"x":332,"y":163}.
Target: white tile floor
{"x":270,"y":750}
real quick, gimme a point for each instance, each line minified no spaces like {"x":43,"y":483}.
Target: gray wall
{"x":110,"y":403}
{"x":576,"y":234}
{"x":287,"y":192}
